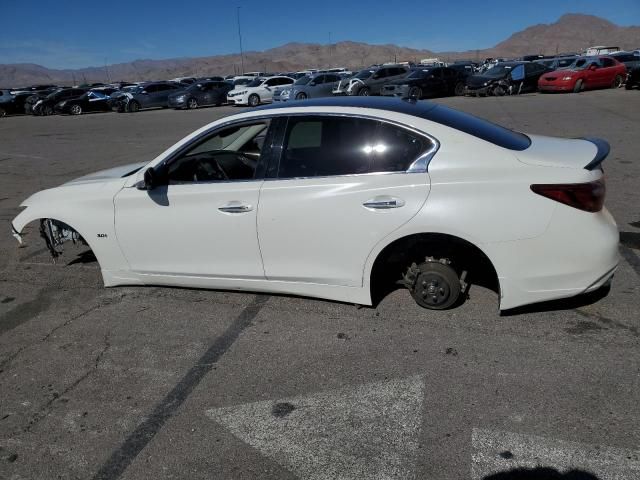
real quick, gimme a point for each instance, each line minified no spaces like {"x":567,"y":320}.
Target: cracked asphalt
{"x":164,"y":383}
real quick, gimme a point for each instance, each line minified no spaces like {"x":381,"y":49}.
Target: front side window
{"x":607,"y":62}
{"x":319,"y":146}
{"x":229,"y":154}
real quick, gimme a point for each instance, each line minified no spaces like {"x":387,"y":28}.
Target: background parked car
{"x":92,"y":101}
{"x":12,"y":101}
{"x":521,"y":76}
{"x":257,"y":92}
{"x":45,"y":106}
{"x":201,"y":94}
{"x":428,"y":82}
{"x":633,"y":79}
{"x":146,"y":95}
{"x":585,"y":73}
{"x":631,"y":60}
{"x":371,"y":80}
{"x":311,"y":86}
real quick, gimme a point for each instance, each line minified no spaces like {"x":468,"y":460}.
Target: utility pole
{"x":240,"y":39}
{"x":330,"y":62}
{"x":106,"y":69}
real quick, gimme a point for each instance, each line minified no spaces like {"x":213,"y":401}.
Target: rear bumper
{"x":578,"y":253}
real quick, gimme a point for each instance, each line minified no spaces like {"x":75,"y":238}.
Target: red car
{"x":585,"y":73}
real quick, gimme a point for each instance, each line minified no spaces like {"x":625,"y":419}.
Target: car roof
{"x":378,"y":103}
{"x":433,"y":112}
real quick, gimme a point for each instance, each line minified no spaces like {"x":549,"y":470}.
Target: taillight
{"x":583,"y":196}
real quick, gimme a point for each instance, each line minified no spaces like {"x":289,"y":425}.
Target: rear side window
{"x":317,"y":146}
{"x":483,"y":129}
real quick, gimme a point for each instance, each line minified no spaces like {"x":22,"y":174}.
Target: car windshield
{"x":303,"y":80}
{"x":53,"y":94}
{"x":364,"y":74}
{"x":255,"y":83}
{"x":419,"y":74}
{"x":565,"y":62}
{"x":241,"y":81}
{"x":580,"y":64}
{"x":499,"y":71}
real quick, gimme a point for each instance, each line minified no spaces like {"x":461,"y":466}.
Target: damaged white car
{"x":346,"y":199}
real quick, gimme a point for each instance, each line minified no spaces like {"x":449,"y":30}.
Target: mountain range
{"x":571,"y":33}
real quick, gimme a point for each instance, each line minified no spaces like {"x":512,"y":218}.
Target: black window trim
{"x":419,"y":165}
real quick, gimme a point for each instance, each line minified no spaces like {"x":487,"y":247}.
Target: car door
{"x":147,"y":97}
{"x":330,"y":83}
{"x":609,"y":71}
{"x":162,"y":94}
{"x":324,"y":211}
{"x":266,"y":92}
{"x":377,"y":80}
{"x":596,"y":75}
{"x":435,"y":82}
{"x":202,"y":223}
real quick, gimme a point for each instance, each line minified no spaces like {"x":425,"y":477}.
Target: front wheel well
{"x":56,"y":233}
{"x":393,"y":261}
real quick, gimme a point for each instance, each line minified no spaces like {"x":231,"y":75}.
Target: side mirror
{"x":375,"y":76}
{"x":153,"y":178}
{"x":312,"y":84}
{"x":593,"y":67}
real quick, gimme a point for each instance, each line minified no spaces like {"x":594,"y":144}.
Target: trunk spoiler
{"x":603,"y":150}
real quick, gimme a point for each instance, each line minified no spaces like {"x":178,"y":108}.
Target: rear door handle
{"x":235,"y":207}
{"x":383,"y":202}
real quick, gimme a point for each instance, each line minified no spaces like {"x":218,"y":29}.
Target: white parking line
{"x":496,"y":451}
{"x":367,"y":431}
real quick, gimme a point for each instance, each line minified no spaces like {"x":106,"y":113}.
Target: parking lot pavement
{"x":146,"y":382}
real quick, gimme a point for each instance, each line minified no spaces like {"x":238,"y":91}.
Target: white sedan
{"x":258,"y":91}
{"x":345,"y":199}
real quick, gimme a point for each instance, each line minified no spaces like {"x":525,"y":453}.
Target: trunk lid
{"x":586,"y":153}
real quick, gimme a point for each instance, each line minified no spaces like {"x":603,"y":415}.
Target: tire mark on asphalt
{"x":608,"y":321}
{"x":121,"y":458}
{"x":26,"y":311}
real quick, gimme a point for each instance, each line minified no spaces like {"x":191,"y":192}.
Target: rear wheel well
{"x":393,"y":261}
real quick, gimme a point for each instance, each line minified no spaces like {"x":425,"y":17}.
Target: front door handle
{"x":235,"y":207}
{"x":383,"y":202}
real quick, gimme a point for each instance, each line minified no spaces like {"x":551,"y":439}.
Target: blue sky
{"x":77,"y":34}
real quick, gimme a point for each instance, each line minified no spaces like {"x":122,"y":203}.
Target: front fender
{"x":86,"y":208}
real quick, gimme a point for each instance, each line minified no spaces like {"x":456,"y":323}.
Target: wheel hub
{"x":433,"y":289}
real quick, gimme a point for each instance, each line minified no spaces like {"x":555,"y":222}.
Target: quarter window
{"x":330,"y":146}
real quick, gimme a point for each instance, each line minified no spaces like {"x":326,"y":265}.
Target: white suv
{"x":258,"y":91}
{"x":345,"y":199}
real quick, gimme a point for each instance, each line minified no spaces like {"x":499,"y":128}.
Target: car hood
{"x":109,"y":174}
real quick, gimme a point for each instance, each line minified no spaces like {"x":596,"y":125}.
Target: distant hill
{"x":572,"y":32}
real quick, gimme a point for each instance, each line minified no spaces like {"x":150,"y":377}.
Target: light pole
{"x":240,"y":39}
{"x":330,"y":50}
